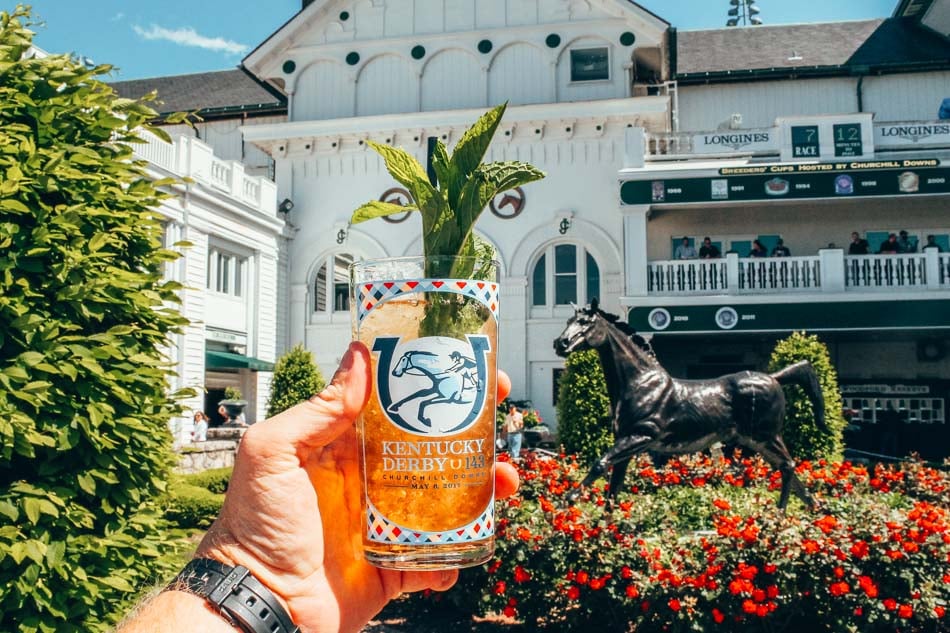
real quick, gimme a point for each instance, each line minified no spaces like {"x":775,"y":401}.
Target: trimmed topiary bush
{"x":216,"y":479}
{"x":583,"y":406}
{"x":296,"y":378}
{"x":191,"y":506}
{"x":84,"y":440}
{"x":805,"y":440}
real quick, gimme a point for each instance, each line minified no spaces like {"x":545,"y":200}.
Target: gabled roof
{"x":880,"y":45}
{"x":218,"y":93}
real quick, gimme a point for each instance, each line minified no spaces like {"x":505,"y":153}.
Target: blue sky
{"x":148,"y":39}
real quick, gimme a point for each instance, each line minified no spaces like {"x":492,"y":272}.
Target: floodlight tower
{"x":743,"y":12}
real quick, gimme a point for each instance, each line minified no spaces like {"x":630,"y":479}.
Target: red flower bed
{"x":698,"y":545}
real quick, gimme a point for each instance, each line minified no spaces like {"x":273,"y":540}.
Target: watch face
{"x":727,"y":318}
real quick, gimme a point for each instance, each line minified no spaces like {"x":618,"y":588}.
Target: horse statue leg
{"x":623,"y":450}
{"x":777,"y":455}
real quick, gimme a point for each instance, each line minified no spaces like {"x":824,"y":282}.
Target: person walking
{"x":514,"y":425}
{"x":200,"y":432}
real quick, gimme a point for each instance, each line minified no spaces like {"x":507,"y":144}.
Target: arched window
{"x":564,"y":274}
{"x":331,"y":286}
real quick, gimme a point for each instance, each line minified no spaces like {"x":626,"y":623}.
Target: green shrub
{"x":191,"y":506}
{"x":232,"y":393}
{"x":583,"y":407}
{"x":84,"y":443}
{"x":805,"y":440}
{"x":215,"y":479}
{"x":296,"y":378}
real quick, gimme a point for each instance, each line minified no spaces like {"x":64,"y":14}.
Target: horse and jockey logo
{"x":433,"y":385}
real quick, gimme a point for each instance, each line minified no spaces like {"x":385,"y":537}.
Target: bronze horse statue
{"x":652,"y":411}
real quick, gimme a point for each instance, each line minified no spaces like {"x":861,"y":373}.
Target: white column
{"x":634,"y":147}
{"x":932,"y":266}
{"x":512,"y":332}
{"x":635,"y":249}
{"x":831,"y":261}
{"x":298,"y":313}
{"x":732,"y":273}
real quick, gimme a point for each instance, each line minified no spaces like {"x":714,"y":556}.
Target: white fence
{"x":829,"y":271}
{"x":186,"y":156}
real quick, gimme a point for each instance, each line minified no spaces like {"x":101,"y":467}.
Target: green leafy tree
{"x":583,"y":407}
{"x":84,"y":441}
{"x":804,"y":438}
{"x":296,"y":378}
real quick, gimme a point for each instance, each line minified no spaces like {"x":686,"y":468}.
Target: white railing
{"x":189,"y":157}
{"x":221,"y":173}
{"x":779,"y":274}
{"x":886,"y":272}
{"x":829,"y":271}
{"x":692,"y":277}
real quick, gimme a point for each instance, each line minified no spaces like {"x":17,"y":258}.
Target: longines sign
{"x":729,"y":141}
{"x":917,"y":134}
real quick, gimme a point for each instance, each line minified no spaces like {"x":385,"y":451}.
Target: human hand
{"x":292,"y":514}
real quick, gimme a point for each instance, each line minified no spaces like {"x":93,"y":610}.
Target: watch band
{"x":236,"y":594}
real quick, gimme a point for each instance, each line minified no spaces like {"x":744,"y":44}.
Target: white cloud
{"x":118,"y":16}
{"x":187,"y":36}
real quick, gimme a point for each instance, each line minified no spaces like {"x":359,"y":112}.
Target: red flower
{"x":905,"y":611}
{"x":597,"y":583}
{"x":748,"y":606}
{"x":573,"y":592}
{"x":762,"y":610}
{"x":769,"y":568}
{"x":582,"y":577}
{"x":722,"y":504}
{"x":860,"y":549}
{"x":758,"y":595}
{"x":626,"y":573}
{"x":521,"y":575}
{"x":674,"y":604}
{"x":940,"y":611}
{"x":772,"y":591}
{"x":810,"y":546}
{"x":839,"y":588}
{"x":510,"y":612}
{"x":718,"y":616}
{"x":868,"y":586}
{"x":500,"y":587}
{"x":889,"y":603}
{"x":632,"y":592}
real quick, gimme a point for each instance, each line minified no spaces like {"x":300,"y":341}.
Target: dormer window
{"x":590,"y":64}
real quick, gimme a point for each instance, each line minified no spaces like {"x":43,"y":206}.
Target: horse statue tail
{"x":803,"y":375}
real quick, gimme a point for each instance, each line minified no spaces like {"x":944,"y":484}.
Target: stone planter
{"x":233,"y":407}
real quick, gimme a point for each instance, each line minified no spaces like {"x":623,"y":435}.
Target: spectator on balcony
{"x":932,"y":243}
{"x":708,"y":250}
{"x":890,"y":245}
{"x":685,"y":250}
{"x":859,"y":245}
{"x":758,"y":249}
{"x":781,"y":250}
{"x":904,"y":243}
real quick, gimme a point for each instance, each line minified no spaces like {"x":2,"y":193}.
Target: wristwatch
{"x":236,"y":594}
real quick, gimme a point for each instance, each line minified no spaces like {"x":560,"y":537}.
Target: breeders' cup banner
{"x":801,"y":181}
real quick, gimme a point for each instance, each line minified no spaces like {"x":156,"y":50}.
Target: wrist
{"x":175,"y":611}
{"x":236,"y":595}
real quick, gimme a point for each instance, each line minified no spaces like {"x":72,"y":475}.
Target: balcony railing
{"x":829,"y":271}
{"x":186,"y":156}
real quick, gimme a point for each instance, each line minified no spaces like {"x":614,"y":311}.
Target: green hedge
{"x":191,"y":506}
{"x":215,"y":480}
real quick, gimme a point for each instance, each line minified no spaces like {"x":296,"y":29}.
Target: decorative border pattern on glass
{"x":381,"y":530}
{"x":372,"y":294}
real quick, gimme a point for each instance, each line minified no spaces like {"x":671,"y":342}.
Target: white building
{"x":610,"y":100}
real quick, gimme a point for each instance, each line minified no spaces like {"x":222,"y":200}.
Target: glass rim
{"x":418,"y":258}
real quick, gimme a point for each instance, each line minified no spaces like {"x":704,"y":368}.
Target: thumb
{"x":321,"y":419}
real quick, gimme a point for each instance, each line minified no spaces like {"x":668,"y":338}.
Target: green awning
{"x":227,"y":360}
